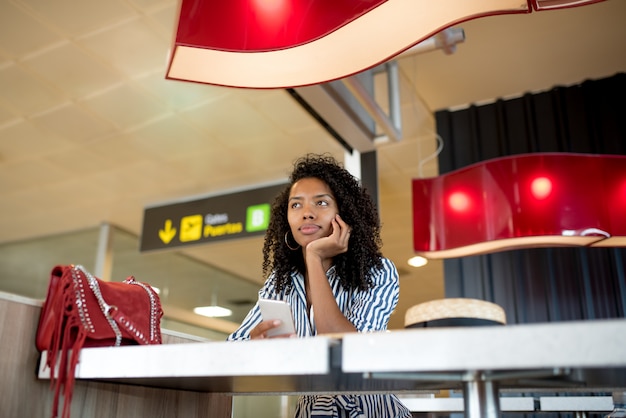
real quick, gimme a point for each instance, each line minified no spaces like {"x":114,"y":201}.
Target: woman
{"x":322,"y":253}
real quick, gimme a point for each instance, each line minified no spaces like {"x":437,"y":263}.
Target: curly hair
{"x":356,"y":208}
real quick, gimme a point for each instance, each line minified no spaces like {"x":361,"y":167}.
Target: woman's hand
{"x":260,"y":331}
{"x":334,"y":244}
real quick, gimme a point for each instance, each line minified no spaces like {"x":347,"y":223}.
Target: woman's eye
{"x":295,"y":205}
{"x":322,"y":203}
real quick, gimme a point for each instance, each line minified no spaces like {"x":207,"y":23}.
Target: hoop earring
{"x":287,"y":242}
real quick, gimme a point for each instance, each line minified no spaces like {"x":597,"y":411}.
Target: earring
{"x":287,"y":242}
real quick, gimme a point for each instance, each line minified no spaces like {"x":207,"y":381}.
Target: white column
{"x":352,"y":163}
{"x":104,"y":253}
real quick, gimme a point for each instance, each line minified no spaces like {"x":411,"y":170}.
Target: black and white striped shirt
{"x":368,"y":310}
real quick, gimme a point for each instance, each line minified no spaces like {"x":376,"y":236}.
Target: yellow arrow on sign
{"x":168,"y":233}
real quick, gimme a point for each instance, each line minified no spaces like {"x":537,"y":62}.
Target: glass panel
{"x":25,"y":265}
{"x":184,"y":283}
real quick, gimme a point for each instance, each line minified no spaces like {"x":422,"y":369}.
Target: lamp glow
{"x":541,"y":187}
{"x":270,"y":15}
{"x":459,"y":202}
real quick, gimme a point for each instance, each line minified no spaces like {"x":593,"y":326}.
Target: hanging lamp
{"x":291,"y":43}
{"x":287,"y":43}
{"x":522,"y":201}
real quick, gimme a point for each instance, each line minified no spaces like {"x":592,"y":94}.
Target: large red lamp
{"x":522,"y":201}
{"x":292,"y":43}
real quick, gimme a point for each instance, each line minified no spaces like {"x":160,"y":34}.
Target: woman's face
{"x":310,"y":209}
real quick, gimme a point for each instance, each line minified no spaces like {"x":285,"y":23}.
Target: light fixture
{"x":417,"y":261}
{"x":522,"y":201}
{"x":446,"y":40}
{"x":212,"y":311}
{"x":280,"y":43}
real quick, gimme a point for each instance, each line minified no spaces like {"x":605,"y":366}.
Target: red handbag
{"x":81,"y":310}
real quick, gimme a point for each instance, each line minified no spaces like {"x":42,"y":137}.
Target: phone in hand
{"x":277,"y":309}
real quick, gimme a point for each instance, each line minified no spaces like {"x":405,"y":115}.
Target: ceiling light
{"x":212,"y":311}
{"x":417,"y":261}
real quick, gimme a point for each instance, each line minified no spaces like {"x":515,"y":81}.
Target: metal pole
{"x":370,"y":105}
{"x":393,"y":83}
{"x":481,"y":399}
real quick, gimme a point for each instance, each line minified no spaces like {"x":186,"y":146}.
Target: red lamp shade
{"x":523,"y":201}
{"x":287,"y":43}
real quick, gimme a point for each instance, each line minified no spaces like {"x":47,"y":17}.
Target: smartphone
{"x":277,"y":309}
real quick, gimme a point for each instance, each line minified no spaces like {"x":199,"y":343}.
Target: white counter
{"x":579,"y":345}
{"x":569,"y":356}
{"x":511,"y":348}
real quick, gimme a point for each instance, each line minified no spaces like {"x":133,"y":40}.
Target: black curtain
{"x":543,"y":284}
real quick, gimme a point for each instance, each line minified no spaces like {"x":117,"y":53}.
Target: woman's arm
{"x":327,"y":315}
{"x":318,"y":258}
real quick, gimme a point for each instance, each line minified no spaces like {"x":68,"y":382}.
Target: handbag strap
{"x":104,"y":306}
{"x":155,"y":311}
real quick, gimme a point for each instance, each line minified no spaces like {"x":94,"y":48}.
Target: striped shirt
{"x":368,"y":310}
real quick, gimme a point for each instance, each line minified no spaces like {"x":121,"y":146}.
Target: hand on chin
{"x":322,"y":246}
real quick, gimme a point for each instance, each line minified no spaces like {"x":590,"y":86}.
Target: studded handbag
{"x":81,"y":310}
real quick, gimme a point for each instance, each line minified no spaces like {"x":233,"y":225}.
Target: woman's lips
{"x":309,"y":229}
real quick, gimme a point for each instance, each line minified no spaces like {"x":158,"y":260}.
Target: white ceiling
{"x":92,"y":132}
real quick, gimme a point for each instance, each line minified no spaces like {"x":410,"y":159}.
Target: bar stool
{"x":480,"y":396}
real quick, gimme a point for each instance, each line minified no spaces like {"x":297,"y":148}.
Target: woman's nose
{"x":308,"y":213}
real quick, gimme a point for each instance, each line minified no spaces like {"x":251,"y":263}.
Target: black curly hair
{"x":355,"y":207}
